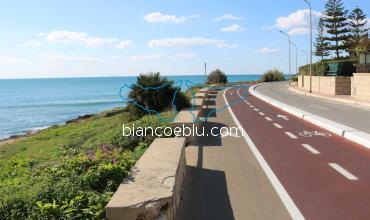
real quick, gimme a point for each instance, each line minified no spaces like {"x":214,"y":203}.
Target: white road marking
{"x":261,"y":113}
{"x":284,"y":117}
{"x":278,"y":126}
{"x":291,"y":135}
{"x":342,"y":171}
{"x":268,"y":119}
{"x":256,"y":109}
{"x":251,"y":106}
{"x":310,"y":148}
{"x":279,"y":188}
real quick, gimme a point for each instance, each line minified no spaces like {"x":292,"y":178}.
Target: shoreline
{"x":33,"y":131}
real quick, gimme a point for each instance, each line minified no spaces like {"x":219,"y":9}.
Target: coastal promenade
{"x":224,"y":179}
{"x":317,"y":174}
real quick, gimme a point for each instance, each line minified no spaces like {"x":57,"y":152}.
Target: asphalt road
{"x":325,"y":175}
{"x":347,"y":114}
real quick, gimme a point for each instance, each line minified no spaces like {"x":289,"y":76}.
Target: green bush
{"x":217,"y":77}
{"x":156,"y":100}
{"x":272,"y":76}
{"x":322,"y":68}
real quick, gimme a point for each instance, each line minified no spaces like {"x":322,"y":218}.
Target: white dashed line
{"x":278,"y":126}
{"x":268,"y":119}
{"x":291,"y":135}
{"x":256,"y":109}
{"x":251,"y":106}
{"x":342,"y":171}
{"x":310,"y":148}
{"x":261,"y":113}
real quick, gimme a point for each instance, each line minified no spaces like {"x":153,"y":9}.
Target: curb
{"x":347,"y":132}
{"x":357,"y":103}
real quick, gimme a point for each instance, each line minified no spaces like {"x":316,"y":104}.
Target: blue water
{"x":28,"y":104}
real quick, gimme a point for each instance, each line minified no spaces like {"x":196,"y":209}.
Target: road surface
{"x":346,"y":114}
{"x":325,"y":175}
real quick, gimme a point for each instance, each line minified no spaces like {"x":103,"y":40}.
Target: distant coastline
{"x":30,"y":105}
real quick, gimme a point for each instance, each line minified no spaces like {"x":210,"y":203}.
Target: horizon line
{"x":114,"y":76}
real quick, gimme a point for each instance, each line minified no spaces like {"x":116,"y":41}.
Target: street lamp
{"x":296,"y":57}
{"x":305,"y":52}
{"x":289,"y":50}
{"x":309,"y":4}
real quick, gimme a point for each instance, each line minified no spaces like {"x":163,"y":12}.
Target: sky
{"x":85,"y":38}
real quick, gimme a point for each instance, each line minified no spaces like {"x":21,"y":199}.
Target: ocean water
{"x":31,"y":104}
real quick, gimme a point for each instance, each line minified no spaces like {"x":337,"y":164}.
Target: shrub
{"x":154,"y":94}
{"x":272,"y":76}
{"x":216,"y":77}
{"x":322,"y":68}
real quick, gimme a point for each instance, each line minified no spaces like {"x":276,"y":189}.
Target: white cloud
{"x":6,"y":61}
{"x":81,"y":37}
{"x":233,"y":28}
{"x":157,"y":17}
{"x":31,"y":44}
{"x":299,"y":31}
{"x":229,"y":17}
{"x":296,"y":22}
{"x":187,"y":42}
{"x":125,"y":44}
{"x":267,"y":50}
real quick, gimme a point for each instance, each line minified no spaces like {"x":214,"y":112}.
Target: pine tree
{"x":321,"y":45}
{"x":358,"y":29}
{"x":335,"y":22}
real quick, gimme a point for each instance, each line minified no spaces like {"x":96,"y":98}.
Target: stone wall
{"x":361,"y":86}
{"x":327,"y":85}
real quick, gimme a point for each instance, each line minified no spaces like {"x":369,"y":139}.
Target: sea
{"x":33,"y":104}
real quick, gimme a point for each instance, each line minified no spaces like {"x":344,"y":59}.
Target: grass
{"x":69,"y":171}
{"x":48,"y":144}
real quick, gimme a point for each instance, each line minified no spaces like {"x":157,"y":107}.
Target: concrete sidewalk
{"x":224,"y":180}
{"x":346,"y":114}
{"x":345,"y":120}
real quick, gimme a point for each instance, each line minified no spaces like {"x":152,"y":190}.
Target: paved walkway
{"x":357,"y":117}
{"x":324,"y":175}
{"x":225,"y":181}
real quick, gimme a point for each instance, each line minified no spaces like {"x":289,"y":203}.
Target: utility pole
{"x":296,"y":57}
{"x":309,"y":4}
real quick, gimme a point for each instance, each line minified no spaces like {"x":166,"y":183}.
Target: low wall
{"x":153,"y":189}
{"x":361,"y":86}
{"x":327,"y":85}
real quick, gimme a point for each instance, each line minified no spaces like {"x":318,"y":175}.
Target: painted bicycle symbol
{"x":314,"y":133}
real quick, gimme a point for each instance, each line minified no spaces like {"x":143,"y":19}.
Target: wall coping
{"x":361,"y":74}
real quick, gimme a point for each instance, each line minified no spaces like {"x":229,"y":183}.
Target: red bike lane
{"x":327,"y":176}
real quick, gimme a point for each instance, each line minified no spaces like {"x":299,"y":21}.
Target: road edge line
{"x":347,"y":132}
{"x":293,"y":210}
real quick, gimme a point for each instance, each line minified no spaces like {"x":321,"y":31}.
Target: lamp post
{"x":305,"y":52}
{"x":205,"y":72}
{"x":309,"y":4}
{"x":289,"y":51}
{"x":296,"y":57}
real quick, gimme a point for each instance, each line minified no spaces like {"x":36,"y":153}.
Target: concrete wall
{"x":361,"y":86}
{"x":327,"y":85}
{"x":153,"y":189}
